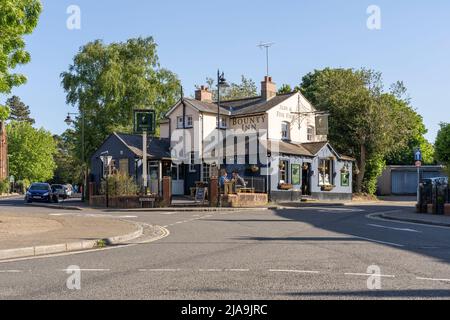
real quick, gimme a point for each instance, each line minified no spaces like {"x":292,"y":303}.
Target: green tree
{"x":4,"y":113}
{"x":363,"y":121}
{"x":106,"y":82}
{"x":17,"y":18}
{"x":68,"y":167}
{"x":442,"y":145}
{"x":245,"y":89}
{"x":31,"y":151}
{"x":285,"y":88}
{"x":412,"y":126}
{"x":19,"y":111}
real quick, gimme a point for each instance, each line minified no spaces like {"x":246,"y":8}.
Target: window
{"x":296,"y":174}
{"x":192,"y":162}
{"x":223,"y":123}
{"x":284,"y":169}
{"x":123,"y":166}
{"x":206,"y":172}
{"x":310,"y":133}
{"x":325,"y":172}
{"x":179,"y":122}
{"x":189,"y":122}
{"x":285,"y":130}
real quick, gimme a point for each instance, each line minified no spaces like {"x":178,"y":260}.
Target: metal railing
{"x":257,"y":183}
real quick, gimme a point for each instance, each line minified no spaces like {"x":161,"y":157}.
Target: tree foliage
{"x":106,"y":82}
{"x":365,"y":121}
{"x":31,"y":151}
{"x":68,"y":167}
{"x":19,"y":111}
{"x":17,"y":18}
{"x":442,"y":144}
{"x":245,"y":89}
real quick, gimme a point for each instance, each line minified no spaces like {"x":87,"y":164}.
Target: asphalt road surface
{"x":303,"y":253}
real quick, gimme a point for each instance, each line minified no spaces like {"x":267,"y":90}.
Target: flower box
{"x":327,"y":188}
{"x":285,"y":186}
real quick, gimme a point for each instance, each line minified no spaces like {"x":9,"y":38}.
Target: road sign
{"x":417,"y":155}
{"x":144,"y":121}
{"x":418,"y":164}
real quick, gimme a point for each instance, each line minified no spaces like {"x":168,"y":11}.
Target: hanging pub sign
{"x":322,"y":125}
{"x":144,"y":121}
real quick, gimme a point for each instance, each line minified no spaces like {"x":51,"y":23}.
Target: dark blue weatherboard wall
{"x":117,"y":150}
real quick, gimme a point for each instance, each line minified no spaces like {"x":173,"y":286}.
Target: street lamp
{"x":70,"y":121}
{"x":221,"y":83}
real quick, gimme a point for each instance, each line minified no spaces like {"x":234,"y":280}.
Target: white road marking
{"x":382,"y":242}
{"x":294,"y":271}
{"x":167,"y":213}
{"x":432,"y":279}
{"x":376,"y":216}
{"x":210,"y":270}
{"x":327,"y":209}
{"x":237,"y":270}
{"x":10,"y":271}
{"x":87,"y":270}
{"x":393,"y":228}
{"x":159,"y":270}
{"x":369,"y":275}
{"x":127,"y":217}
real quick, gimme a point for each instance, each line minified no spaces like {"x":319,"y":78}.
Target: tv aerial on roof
{"x":267,"y":46}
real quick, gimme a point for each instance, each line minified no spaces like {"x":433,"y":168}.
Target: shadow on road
{"x":432,"y":242}
{"x":394,"y":294}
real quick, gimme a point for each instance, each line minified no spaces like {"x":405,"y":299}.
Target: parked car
{"x":40,"y":192}
{"x":69,"y":190}
{"x":62,"y":191}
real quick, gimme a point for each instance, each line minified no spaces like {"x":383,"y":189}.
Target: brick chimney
{"x":203,"y":94}
{"x":268,"y":88}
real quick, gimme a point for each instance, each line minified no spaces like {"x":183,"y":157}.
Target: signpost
{"x":418,"y":162}
{"x":144,"y":122}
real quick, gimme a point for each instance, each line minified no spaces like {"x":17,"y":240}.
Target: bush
{"x":120,"y":185}
{"x":22,"y":185}
{"x":4,"y":186}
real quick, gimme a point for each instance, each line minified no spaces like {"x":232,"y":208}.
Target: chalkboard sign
{"x":200,"y":194}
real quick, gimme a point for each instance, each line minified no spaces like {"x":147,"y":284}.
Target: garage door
{"x":404,"y":182}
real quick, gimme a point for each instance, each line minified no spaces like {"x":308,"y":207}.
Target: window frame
{"x":180,"y":122}
{"x":310,"y":136}
{"x":330,"y":171}
{"x":191,"y":120}
{"x":286,"y":136}
{"x":192,"y":162}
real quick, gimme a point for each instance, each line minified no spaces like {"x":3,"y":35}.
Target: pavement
{"x":24,"y":233}
{"x":324,"y":252}
{"x":437,"y":220}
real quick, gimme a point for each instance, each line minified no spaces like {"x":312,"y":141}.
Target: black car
{"x":41,"y":192}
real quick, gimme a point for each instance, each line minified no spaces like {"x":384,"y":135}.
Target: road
{"x":302,"y":253}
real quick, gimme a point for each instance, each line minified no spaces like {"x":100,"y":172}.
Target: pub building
{"x":276,"y":142}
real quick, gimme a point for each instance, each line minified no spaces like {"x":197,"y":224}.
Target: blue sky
{"x":196,"y":38}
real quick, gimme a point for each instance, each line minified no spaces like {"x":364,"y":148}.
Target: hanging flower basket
{"x":285,"y":186}
{"x":327,"y":187}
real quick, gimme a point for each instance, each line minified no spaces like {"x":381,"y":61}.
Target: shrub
{"x":4,"y":186}
{"x":120,"y":184}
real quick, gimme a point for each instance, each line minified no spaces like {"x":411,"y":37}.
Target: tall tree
{"x":442,"y":145}
{"x":19,"y":111}
{"x":245,"y":89}
{"x":17,"y":18}
{"x":363,"y":122}
{"x":68,"y":167}
{"x":106,"y":82}
{"x":31,"y":152}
